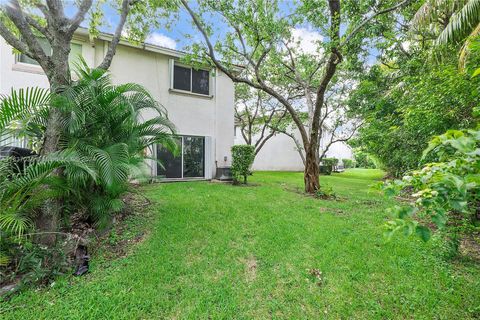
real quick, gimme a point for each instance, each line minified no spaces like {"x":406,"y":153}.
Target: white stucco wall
{"x":191,"y":114}
{"x":280,"y":154}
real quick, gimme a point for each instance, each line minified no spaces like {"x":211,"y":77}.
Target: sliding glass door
{"x":189,"y":163}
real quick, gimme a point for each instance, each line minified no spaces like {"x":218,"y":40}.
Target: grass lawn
{"x":215,"y":251}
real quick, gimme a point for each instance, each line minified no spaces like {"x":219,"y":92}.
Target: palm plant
{"x":104,"y":125}
{"x":451,"y":21}
{"x":103,"y":146}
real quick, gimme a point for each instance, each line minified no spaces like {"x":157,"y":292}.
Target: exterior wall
{"x":209,"y":116}
{"x":280,"y":153}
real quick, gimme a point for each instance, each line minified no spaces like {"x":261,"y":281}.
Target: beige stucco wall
{"x":191,"y":114}
{"x":280,"y":153}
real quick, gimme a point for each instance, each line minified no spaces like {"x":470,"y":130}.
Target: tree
{"x":259,"y":38}
{"x":450,"y":21}
{"x":259,"y":117}
{"x":21,"y":25}
{"x":405,"y":102}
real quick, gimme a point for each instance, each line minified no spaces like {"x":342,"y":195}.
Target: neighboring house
{"x":280,"y":152}
{"x":199,"y":103}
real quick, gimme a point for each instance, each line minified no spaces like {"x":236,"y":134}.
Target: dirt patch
{"x":116,"y":240}
{"x":316,"y":276}
{"x":251,"y":265}
{"x":470,"y":247}
{"x":337,"y":212}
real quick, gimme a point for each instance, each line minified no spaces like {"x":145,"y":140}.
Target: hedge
{"x":242,"y":159}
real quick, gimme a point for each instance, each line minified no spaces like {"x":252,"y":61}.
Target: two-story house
{"x":199,"y":102}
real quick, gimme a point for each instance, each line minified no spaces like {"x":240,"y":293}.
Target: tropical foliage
{"x":446,"y":193}
{"x":104,"y":143}
{"x":404,"y":106}
{"x":450,"y":21}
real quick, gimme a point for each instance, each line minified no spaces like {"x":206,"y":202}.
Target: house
{"x":200,"y":103}
{"x":280,"y":153}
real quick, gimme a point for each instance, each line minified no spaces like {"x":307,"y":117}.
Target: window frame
{"x":182,"y":159}
{"x":174,"y":63}
{"x":37,"y":66}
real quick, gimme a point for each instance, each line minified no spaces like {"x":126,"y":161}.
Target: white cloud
{"x":161,"y":40}
{"x":307,"y":40}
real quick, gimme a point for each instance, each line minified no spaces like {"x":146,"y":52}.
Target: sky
{"x":181,"y":33}
{"x":175,"y":37}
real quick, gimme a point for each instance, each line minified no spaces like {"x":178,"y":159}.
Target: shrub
{"x":347,"y":163}
{"x":327,"y":164}
{"x":326,"y":192}
{"x":446,"y":193}
{"x":363,"y":160}
{"x":242,"y":160}
{"x":102,"y":147}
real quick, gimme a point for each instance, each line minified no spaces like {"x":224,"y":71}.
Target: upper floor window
{"x":192,"y":80}
{"x":75,"y":52}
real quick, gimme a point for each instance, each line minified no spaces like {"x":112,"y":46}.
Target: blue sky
{"x":175,"y":36}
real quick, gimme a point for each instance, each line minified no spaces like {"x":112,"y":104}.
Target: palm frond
{"x":461,"y":23}
{"x":467,"y":48}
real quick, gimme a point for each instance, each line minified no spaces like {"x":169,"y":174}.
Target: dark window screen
{"x":181,"y":78}
{"x":170,"y":167}
{"x":193,"y":156}
{"x":200,"y":82}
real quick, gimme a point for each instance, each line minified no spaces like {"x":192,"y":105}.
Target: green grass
{"x":223,"y":252}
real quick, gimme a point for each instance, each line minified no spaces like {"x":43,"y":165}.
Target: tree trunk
{"x":312,"y":171}
{"x":46,"y":221}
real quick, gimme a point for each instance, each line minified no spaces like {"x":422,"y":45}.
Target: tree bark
{"x":46,"y":221}
{"x":312,"y":171}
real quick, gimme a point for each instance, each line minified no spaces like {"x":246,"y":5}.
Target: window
{"x":75,"y":52}
{"x":200,"y":81}
{"x":182,"y":78}
{"x":190,"y":163}
{"x":189,"y":79}
{"x":45,"y":46}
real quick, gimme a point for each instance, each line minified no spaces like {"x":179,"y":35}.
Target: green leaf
{"x":476,"y":73}
{"x":423,"y":232}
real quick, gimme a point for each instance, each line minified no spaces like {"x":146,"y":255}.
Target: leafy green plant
{"x":327,"y":165}
{"x":347,"y":163}
{"x":405,"y":106}
{"x":446,"y":193}
{"x":103,"y":146}
{"x":326,"y":193}
{"x":242,"y":160}
{"x":363,"y":160}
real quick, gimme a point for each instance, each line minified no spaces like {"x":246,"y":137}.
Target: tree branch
{"x":14,"y":12}
{"x":12,"y":40}
{"x":83,"y":8}
{"x":112,"y":48}
{"x":34,"y":23}
{"x":367,"y":20}
{"x":235,"y":78}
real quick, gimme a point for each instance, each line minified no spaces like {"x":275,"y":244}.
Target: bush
{"x":327,"y":164}
{"x":363,"y":160}
{"x":326,"y":169}
{"x":242,"y":160}
{"x":347,"y":163}
{"x":102,"y":148}
{"x":446,"y":193}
